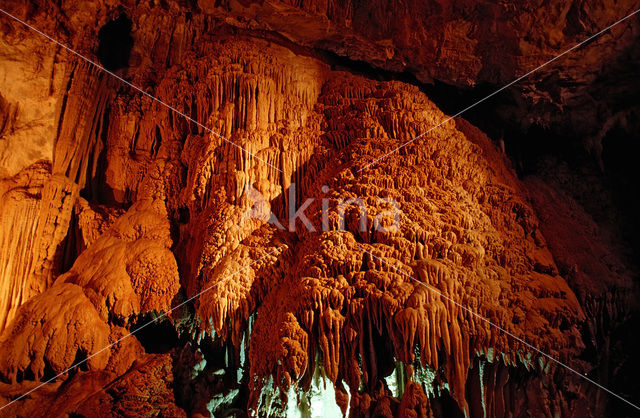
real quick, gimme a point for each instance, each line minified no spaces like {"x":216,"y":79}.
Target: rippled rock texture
{"x":400,"y":288}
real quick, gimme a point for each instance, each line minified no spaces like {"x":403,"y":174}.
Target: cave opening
{"x":619,"y":155}
{"x":115,"y":43}
{"x":156,"y":337}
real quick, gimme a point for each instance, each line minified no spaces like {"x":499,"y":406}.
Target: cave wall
{"x":116,"y":208}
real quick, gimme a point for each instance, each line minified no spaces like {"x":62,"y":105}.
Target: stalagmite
{"x":271,"y":219}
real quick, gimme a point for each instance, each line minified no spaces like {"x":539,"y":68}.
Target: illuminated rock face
{"x":120,"y":209}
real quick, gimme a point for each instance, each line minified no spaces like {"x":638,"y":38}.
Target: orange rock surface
{"x":118,"y":210}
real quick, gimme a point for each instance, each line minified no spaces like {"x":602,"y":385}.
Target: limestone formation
{"x":222,"y":237}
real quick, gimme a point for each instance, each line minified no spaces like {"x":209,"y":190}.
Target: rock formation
{"x":153,"y":262}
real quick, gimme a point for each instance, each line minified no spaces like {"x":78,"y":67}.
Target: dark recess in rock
{"x":115,"y":208}
{"x":115,"y":43}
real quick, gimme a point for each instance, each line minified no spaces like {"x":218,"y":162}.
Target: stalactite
{"x":31,"y":251}
{"x":145,"y":208}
